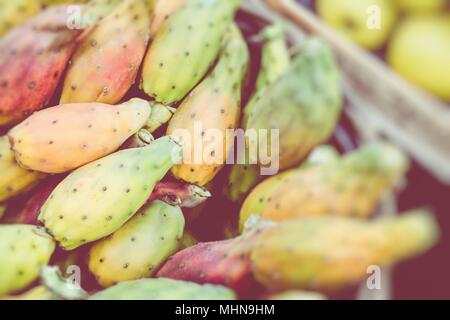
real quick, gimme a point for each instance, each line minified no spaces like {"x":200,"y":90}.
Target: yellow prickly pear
{"x":96,"y":200}
{"x":351,"y":186}
{"x":213,"y":107}
{"x":14,"y":179}
{"x":329,"y":252}
{"x":138,"y":249}
{"x":185,"y":47}
{"x":106,"y":63}
{"x":24,"y":249}
{"x":65,"y":137}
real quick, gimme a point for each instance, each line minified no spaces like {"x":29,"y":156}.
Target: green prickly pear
{"x":24,"y":248}
{"x":349,"y":186}
{"x":97,"y":199}
{"x":303,"y":105}
{"x":215,"y":107}
{"x":274,"y":63}
{"x":138,"y":248}
{"x":330,"y":253}
{"x":106,"y":63}
{"x":13,"y":13}
{"x":185,"y":47}
{"x":14,"y":180}
{"x":65,"y":137}
{"x":164,"y":289}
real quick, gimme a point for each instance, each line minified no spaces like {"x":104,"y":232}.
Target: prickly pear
{"x":185,"y":48}
{"x":213,"y":107}
{"x":24,"y":248}
{"x":180,"y":194}
{"x":224,"y":262}
{"x":164,"y":289}
{"x":32,"y":60}
{"x":163,"y":10}
{"x":349,"y":186}
{"x":63,"y":138}
{"x":106,"y":63}
{"x":303,"y":105}
{"x":138,"y":248}
{"x":297,"y":295}
{"x":39,"y":293}
{"x":14,"y":179}
{"x":330,"y":252}
{"x":92,"y":203}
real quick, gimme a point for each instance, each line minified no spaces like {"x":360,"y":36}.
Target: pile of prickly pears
{"x":102,"y":113}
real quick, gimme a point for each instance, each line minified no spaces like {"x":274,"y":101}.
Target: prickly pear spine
{"x":138,"y":248}
{"x":106,"y":63}
{"x":350,"y":186}
{"x":185,"y":48}
{"x":65,"y":137}
{"x":330,"y":253}
{"x":92,"y":203}
{"x":14,"y":179}
{"x":215,"y":107}
{"x":164,"y":289}
{"x":24,"y":249}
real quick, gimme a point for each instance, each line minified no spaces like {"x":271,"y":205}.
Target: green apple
{"x":420,"y":51}
{"x":367,"y":22}
{"x":420,"y":6}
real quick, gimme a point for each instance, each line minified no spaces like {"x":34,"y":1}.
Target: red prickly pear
{"x":223,"y":262}
{"x":106,"y":63}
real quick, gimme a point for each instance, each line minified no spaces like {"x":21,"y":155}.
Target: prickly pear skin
{"x":13,"y":13}
{"x":138,"y":249}
{"x":65,"y":137}
{"x":223,"y":262}
{"x":329,"y":253}
{"x":351,"y":186}
{"x":164,"y":289}
{"x":304,"y":105}
{"x":185,"y":48}
{"x":91,"y":203}
{"x":14,"y":180}
{"x":106,"y":63}
{"x":163,"y":10}
{"x":39,"y":293}
{"x":32,"y":60}
{"x":24,"y":249}
{"x":215,"y":106}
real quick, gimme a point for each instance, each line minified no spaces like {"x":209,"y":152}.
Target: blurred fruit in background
{"x":420,"y":51}
{"x":420,"y":6}
{"x":351,"y":18}
{"x":414,"y":36}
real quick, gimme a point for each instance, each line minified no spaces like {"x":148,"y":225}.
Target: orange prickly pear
{"x":65,"y":137}
{"x":349,"y":186}
{"x":330,"y":253}
{"x":106,"y":63}
{"x":213,"y":107}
